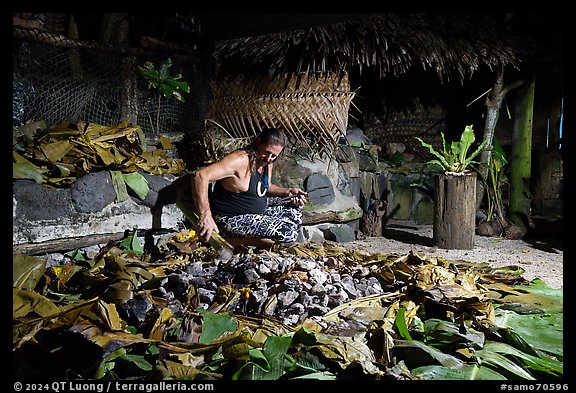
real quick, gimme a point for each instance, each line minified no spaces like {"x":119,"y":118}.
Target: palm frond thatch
{"x":310,"y":109}
{"x":451,"y":44}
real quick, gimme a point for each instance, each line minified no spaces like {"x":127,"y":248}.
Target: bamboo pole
{"x":520,"y":166}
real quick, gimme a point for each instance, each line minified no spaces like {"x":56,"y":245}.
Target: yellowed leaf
{"x":56,"y":150}
{"x":157,"y":331}
{"x":110,"y":316}
{"x":25,"y":302}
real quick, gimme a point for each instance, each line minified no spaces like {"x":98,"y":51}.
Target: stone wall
{"x":340,"y":192}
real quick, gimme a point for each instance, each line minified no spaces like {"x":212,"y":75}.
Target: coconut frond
{"x":308,"y":108}
{"x":218,"y":142}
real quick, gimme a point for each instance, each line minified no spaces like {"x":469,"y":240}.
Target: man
{"x":243,"y":203}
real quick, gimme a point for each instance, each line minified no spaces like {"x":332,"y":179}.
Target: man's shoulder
{"x":238,"y":159}
{"x":239,"y":154}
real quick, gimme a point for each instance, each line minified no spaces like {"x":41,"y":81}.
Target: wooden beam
{"x":65,"y":245}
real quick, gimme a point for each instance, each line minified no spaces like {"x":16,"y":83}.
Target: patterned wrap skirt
{"x":279,"y":222}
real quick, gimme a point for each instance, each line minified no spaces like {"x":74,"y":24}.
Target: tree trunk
{"x":493,"y":105}
{"x":129,"y":93}
{"x":454,"y":211}
{"x":520,"y":163}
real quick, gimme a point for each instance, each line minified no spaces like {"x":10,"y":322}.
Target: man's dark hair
{"x":273,"y":136}
{"x":268,"y":135}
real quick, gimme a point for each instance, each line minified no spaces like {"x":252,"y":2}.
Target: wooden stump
{"x":455,"y":211}
{"x":373,"y":218}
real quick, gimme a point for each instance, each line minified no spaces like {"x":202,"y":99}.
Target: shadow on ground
{"x":551,"y":245}
{"x":400,"y":234}
{"x":538,"y":240}
{"x":546,"y":235}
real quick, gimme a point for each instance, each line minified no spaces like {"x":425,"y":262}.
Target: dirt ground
{"x":540,"y":258}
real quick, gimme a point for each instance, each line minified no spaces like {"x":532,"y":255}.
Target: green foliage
{"x":124,"y":358}
{"x":456,"y":158}
{"x":496,"y":179}
{"x":132,"y":244}
{"x":401,"y":324}
{"x":137,"y":183}
{"x":168,"y":85}
{"x":215,"y":325}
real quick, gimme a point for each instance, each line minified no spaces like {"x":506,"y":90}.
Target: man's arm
{"x":229,"y":166}
{"x":298,"y":195}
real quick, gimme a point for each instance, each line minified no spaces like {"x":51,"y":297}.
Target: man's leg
{"x":279,"y":224}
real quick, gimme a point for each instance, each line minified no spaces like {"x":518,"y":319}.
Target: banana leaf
{"x":469,"y":372}
{"x":215,"y":325}
{"x":541,"y":331}
{"x":27,"y":271}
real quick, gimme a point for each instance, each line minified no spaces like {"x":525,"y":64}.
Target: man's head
{"x":269,"y":145}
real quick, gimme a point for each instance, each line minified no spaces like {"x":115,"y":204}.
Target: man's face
{"x":267,"y":153}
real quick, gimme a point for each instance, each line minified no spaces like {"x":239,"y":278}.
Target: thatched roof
{"x":453,"y":45}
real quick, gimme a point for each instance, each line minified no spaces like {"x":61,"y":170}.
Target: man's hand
{"x":297,"y":196}
{"x":206,"y":226}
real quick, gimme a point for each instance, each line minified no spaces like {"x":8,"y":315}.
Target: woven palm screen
{"x":311,"y":110}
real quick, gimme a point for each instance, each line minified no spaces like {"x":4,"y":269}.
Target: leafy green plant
{"x":131,"y":244}
{"x":456,"y":159}
{"x":125,"y":359}
{"x":496,"y":179}
{"x":167,"y":85}
{"x":496,"y":222}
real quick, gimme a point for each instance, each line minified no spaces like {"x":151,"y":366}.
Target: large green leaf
{"x":542,"y":331}
{"x":247,"y":369}
{"x":542,"y":365}
{"x":538,"y":286}
{"x":523,"y":299}
{"x":269,"y":364}
{"x":466,"y":140}
{"x":215,"y":325}
{"x":137,"y":183}
{"x":139,"y":361}
{"x":503,"y":364}
{"x":275,"y":349}
{"x":416,"y":354}
{"x":449,"y":333}
{"x":400,"y":323}
{"x":468,"y":372}
{"x":131,"y":243}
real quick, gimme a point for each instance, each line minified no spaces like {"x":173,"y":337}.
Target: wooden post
{"x":454,"y":211}
{"x":372,"y":220}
